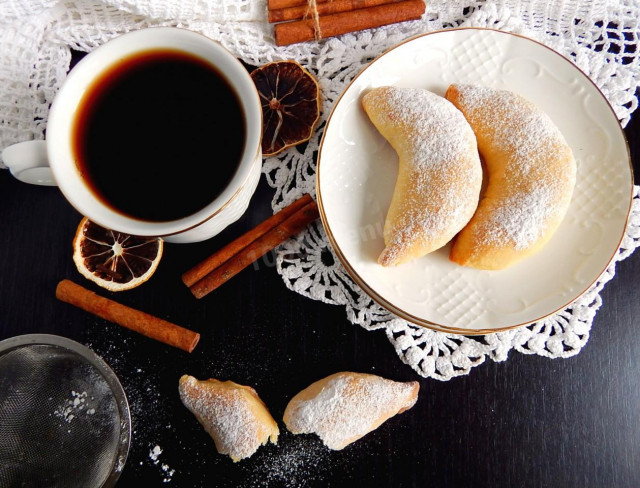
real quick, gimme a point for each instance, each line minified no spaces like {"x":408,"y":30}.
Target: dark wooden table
{"x":528,"y":421}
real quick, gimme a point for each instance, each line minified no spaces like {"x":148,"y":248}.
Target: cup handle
{"x":28,"y":162}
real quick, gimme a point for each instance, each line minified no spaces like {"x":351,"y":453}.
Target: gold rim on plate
{"x":377,"y":296}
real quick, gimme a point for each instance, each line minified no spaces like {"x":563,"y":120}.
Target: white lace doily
{"x":599,"y":36}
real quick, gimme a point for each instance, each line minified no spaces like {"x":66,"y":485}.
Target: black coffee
{"x":159,"y":135}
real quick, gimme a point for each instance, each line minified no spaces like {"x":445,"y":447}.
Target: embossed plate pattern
{"x":357,"y":171}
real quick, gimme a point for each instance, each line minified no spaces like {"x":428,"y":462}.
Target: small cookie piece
{"x":232,"y":414}
{"x":345,"y":406}
{"x":531,"y":172}
{"x":439,"y":171}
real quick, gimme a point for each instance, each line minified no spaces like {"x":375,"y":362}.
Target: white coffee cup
{"x":52,"y":162}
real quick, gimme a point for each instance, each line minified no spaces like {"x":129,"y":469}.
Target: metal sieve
{"x":64,"y":417}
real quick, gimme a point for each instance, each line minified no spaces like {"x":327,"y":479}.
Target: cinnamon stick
{"x":335,"y":6}
{"x":141,"y":322}
{"x":278,"y":4}
{"x":212,"y":262}
{"x":343,"y":22}
{"x":258,"y":248}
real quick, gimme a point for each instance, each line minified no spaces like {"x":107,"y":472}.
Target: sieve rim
{"x":120,"y":456}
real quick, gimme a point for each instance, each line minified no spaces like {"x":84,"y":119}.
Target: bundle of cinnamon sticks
{"x":304,"y":20}
{"x":225,"y":263}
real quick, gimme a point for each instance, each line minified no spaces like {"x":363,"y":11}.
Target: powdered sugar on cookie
{"x":232,"y":414}
{"x":531,"y":174}
{"x":522,"y":219}
{"x":347,"y":406}
{"x":529,"y":134}
{"x":439,"y":176}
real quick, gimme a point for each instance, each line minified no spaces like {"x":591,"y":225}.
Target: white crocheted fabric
{"x":599,"y":36}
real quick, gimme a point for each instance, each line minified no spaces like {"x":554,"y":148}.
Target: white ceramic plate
{"x":357,"y":170}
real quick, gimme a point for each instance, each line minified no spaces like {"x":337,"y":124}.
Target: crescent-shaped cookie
{"x":439,"y":173}
{"x":343,"y":407}
{"x":531,"y":175}
{"x":232,"y":414}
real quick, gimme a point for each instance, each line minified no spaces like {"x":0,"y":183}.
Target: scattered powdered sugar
{"x":146,"y":403}
{"x":73,"y":407}
{"x":166,"y":471}
{"x":297,"y":462}
{"x":154,"y":453}
{"x":348,"y":407}
{"x":443,"y":176}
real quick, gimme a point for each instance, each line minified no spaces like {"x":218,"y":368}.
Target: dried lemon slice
{"x":114,"y":260}
{"x":290,"y":104}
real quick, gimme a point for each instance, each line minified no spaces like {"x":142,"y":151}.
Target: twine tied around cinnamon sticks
{"x":312,"y":11}
{"x":305,"y":20}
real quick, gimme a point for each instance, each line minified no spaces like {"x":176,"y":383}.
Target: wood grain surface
{"x":527,"y":421}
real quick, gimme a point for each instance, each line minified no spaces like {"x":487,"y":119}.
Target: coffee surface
{"x":159,"y":135}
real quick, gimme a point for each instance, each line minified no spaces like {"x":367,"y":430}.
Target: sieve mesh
{"x":64,"y":418}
